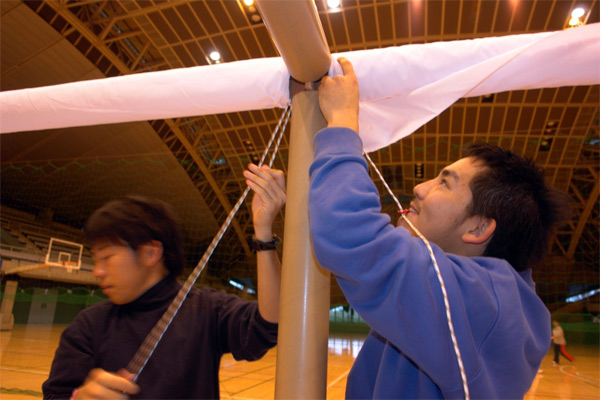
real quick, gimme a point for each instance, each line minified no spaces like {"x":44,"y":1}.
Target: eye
{"x":102,"y":257}
{"x":444,"y":182}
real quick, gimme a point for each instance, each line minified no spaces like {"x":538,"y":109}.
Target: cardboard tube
{"x":304,"y":304}
{"x":305,"y":287}
{"x":298,"y":35}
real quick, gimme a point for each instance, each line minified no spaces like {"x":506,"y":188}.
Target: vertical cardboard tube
{"x":305,"y":288}
{"x":298,"y":35}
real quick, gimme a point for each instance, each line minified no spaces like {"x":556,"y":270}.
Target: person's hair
{"x":137,"y":220}
{"x":511,"y":189}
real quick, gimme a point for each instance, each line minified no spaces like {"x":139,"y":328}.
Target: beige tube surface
{"x":304,"y":305}
{"x":298,"y":35}
{"x":304,"y":310}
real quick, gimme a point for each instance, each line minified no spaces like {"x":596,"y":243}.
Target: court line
{"x":578,"y":375}
{"x":28,"y":353}
{"x":29,"y":371}
{"x":20,"y":392}
{"x":339,"y":378}
{"x":551,"y":394}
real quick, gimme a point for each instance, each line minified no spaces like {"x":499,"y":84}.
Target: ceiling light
{"x":545,"y":144}
{"x":574,"y":21}
{"x":419,"y":170}
{"x":487,"y":98}
{"x":251,"y":12}
{"x":578,"y":12}
{"x":215,"y":56}
{"x":551,"y":127}
{"x":333,"y":4}
{"x":249,"y":146}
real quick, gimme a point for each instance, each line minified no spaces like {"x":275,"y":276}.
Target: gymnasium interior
{"x":53,"y":179}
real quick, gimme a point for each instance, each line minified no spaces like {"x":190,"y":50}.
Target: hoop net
{"x":69,"y":265}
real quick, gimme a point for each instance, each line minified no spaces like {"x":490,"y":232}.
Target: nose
{"x":98,"y":271}
{"x":420,"y":191}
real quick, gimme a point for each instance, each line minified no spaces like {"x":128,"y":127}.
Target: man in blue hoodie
{"x":489,"y":217}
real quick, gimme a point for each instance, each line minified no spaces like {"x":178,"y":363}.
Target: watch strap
{"x":259,"y":245}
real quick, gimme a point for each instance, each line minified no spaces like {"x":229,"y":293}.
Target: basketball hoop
{"x":69,"y":265}
{"x":65,"y":254}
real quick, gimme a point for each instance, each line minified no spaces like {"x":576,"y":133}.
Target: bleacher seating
{"x":24,"y":238}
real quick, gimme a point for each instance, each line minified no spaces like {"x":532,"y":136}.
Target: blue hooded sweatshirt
{"x":501,"y":325}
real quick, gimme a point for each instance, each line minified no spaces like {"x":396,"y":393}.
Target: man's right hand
{"x":338,"y":98}
{"x":101,"y":384}
{"x":269,"y":197}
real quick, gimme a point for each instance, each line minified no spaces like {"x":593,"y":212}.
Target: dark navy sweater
{"x":186,"y":362}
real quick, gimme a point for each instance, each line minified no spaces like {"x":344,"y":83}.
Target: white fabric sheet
{"x":402,"y":88}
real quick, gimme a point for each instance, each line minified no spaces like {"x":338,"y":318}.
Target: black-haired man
{"x":137,"y":247}
{"x":488,"y":217}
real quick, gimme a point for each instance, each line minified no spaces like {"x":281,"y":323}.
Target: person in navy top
{"x":137,"y":247}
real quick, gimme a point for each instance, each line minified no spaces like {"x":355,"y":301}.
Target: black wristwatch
{"x":259,"y":245}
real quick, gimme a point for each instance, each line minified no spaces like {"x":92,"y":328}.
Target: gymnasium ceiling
{"x":51,"y":42}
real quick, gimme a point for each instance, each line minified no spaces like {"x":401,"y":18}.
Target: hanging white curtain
{"x":402,"y":88}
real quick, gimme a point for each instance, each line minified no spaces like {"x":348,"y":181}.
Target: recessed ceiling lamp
{"x":578,"y":12}
{"x":545,"y":144}
{"x":487,"y":98}
{"x":419,"y":170}
{"x":333,"y":4}
{"x":551,"y":127}
{"x":576,"y":15}
{"x":251,"y":12}
{"x":215,"y":56}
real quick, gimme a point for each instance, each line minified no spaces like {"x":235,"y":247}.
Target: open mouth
{"x":413,"y":209}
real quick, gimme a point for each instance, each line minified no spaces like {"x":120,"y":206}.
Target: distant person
{"x":560,"y":343}
{"x":488,"y":217}
{"x":138,"y":252}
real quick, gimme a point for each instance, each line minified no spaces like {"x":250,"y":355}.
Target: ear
{"x":151,"y":253}
{"x":480,"y":232}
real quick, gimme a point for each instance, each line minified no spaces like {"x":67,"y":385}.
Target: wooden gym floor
{"x":26,"y":354}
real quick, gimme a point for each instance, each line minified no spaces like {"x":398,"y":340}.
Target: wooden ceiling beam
{"x":583,"y":219}
{"x":141,"y":12}
{"x":64,"y":12}
{"x":140,"y":56}
{"x":124,"y":35}
{"x":213,"y":183}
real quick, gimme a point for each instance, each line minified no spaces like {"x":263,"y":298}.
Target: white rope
{"x":145,"y":351}
{"x":461,"y":367}
{"x":147,"y":348}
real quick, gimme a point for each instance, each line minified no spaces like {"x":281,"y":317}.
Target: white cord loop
{"x":461,"y":367}
{"x":143,"y":354}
